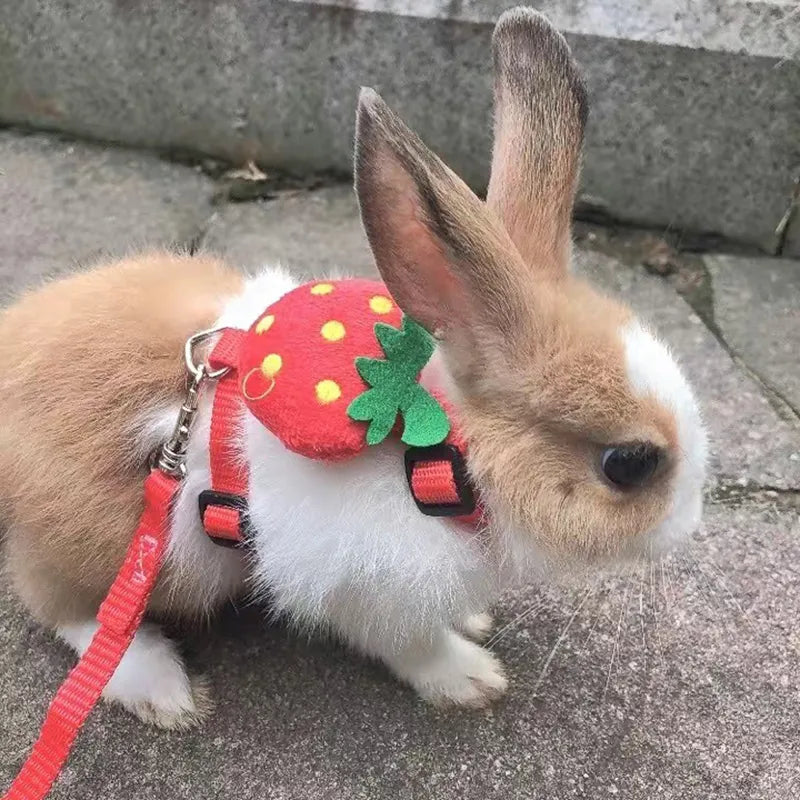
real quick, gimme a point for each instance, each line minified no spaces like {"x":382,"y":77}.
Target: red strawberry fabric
{"x":301,"y":366}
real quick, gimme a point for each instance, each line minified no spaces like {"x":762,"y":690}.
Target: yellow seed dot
{"x":322,"y":288}
{"x":271,"y":365}
{"x":328,"y":391}
{"x":380,"y":304}
{"x":265,"y":324}
{"x":332,"y":331}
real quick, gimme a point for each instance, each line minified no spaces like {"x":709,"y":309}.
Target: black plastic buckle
{"x":211,"y":498}
{"x":443,"y":452}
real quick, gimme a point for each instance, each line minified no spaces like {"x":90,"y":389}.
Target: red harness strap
{"x":119,"y":617}
{"x":432,"y":483}
{"x":440,"y":484}
{"x":437,"y":476}
{"x":223,"y":508}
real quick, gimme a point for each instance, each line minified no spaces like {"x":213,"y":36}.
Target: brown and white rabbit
{"x":584,"y":439}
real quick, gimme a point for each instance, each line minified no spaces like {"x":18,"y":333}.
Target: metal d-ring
{"x":189,"y":351}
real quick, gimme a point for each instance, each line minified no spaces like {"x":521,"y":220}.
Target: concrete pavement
{"x":680,"y":683}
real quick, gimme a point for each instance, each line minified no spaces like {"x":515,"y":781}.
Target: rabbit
{"x":585,"y":441}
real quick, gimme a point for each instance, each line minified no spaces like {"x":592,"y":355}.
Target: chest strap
{"x":440,"y":484}
{"x":437,"y":476}
{"x":223,"y":507}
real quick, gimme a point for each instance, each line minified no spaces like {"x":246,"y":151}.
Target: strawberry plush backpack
{"x":330,"y":369}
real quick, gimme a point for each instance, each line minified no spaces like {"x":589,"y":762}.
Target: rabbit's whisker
{"x":623,"y":615}
{"x":516,"y":621}
{"x":563,"y":635}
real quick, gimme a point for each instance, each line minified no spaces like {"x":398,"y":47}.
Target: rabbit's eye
{"x":630,"y":464}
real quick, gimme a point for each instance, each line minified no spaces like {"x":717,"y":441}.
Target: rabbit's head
{"x":584,"y":437}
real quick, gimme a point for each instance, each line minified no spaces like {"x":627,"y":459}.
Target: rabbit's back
{"x":84,"y":359}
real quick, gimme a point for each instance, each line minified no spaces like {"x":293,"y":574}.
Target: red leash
{"x":121,"y":612}
{"x":436,"y":475}
{"x":119,"y":617}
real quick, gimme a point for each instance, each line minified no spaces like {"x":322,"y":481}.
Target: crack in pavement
{"x":701,"y":300}
{"x":687,"y":273}
{"x":195,"y":243}
{"x":732,"y":493}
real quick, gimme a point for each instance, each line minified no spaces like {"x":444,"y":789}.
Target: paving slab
{"x":757,"y":311}
{"x":694,"y":102}
{"x":678,"y":683}
{"x":67,"y":203}
{"x":314,"y":232}
{"x":309,"y":232}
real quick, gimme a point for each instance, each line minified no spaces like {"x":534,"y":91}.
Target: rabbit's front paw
{"x":478,"y":626}
{"x":453,"y":671}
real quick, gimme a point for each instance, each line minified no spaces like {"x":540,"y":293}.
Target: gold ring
{"x":260,"y":396}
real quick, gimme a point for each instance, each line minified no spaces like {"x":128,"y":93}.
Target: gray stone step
{"x":695,"y":104}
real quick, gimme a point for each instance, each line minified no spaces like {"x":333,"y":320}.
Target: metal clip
{"x":172,"y":456}
{"x":189,"y":356}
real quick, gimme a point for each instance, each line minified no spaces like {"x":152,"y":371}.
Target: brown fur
{"x":540,"y":113}
{"x":537,"y":355}
{"x":81,"y":360}
{"x":537,"y":429}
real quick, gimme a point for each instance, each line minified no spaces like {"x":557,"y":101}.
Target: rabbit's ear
{"x":540,"y":113}
{"x":443,"y":255}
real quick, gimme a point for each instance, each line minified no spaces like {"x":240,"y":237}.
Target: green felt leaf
{"x":374,"y":371}
{"x":364,"y":407}
{"x":417,"y":346}
{"x":425,"y":421}
{"x":394,"y":388}
{"x":390,"y":339}
{"x":381,"y":426}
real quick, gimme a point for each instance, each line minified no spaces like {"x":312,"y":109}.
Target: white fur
{"x":653,"y":371}
{"x":343,"y":548}
{"x":450,"y":669}
{"x":213,"y":573}
{"x":150,"y":681}
{"x":478,"y":626}
{"x":260,"y":291}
